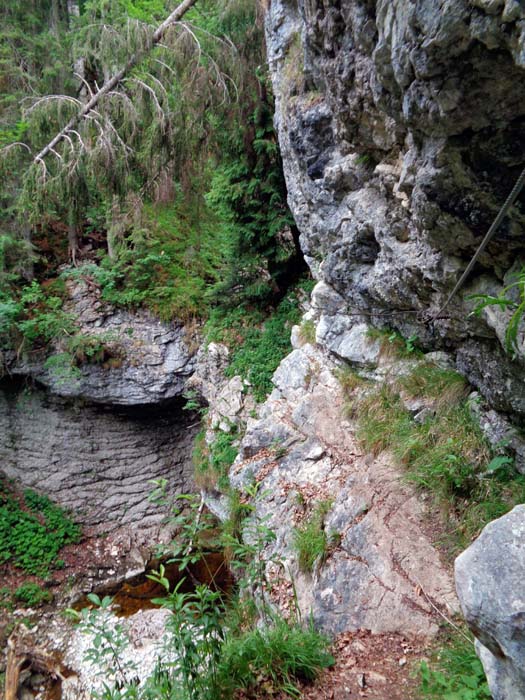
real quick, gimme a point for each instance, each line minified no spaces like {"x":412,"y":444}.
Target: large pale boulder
{"x":490,"y":581}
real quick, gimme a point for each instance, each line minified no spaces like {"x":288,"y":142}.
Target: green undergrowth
{"x":310,"y":539}
{"x":166,"y":263}
{"x":454,"y":673}
{"x":444,"y":452}
{"x":32,"y":531}
{"x":35,"y":320}
{"x":32,"y":595}
{"x":258,"y":341}
{"x":212,"y":462}
{"x":282,"y":654}
{"x":219,"y":645}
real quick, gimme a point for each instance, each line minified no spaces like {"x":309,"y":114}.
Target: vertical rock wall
{"x":97,"y":461}
{"x":402,"y":129}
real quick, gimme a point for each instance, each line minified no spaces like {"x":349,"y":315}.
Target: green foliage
{"x":110,"y":639}
{"x":166,"y":262}
{"x":446,"y":453}
{"x":32,"y":595}
{"x":32,"y":531}
{"x":249,"y":192}
{"x":212,"y":463}
{"x":456,"y":674}
{"x":257,"y":347}
{"x":511,"y":298}
{"x":212,"y":650}
{"x":35,"y":317}
{"x":310,"y":540}
{"x":186,"y":187}
{"x":282,"y":654}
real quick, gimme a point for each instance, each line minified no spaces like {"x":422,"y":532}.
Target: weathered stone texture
{"x":152,"y":364}
{"x":98,"y":462}
{"x":402,"y":129}
{"x":490,"y":577}
{"x":385,"y":570}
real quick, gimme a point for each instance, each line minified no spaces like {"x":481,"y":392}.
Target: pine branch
{"x":111,"y":84}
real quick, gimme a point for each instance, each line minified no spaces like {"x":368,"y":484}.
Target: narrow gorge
{"x":350,"y":421}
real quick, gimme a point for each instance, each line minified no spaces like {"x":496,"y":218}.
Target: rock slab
{"x":490,"y":581}
{"x":383,"y":572}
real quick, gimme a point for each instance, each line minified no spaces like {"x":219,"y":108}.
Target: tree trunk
{"x":175,"y":16}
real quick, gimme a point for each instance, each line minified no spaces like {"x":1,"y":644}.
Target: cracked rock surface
{"x":384,"y":571}
{"x":97,"y":462}
{"x":402,"y":131}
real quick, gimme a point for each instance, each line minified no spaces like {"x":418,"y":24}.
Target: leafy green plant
{"x":32,"y":531}
{"x":512,"y":298}
{"x":456,"y":673}
{"x":310,"y":540}
{"x":32,"y":595}
{"x":40,"y":318}
{"x":195,"y":633}
{"x":110,"y":639}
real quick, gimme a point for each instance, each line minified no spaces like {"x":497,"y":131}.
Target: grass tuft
{"x":394,"y":345}
{"x":275,"y":657}
{"x":445,"y":455}
{"x":445,"y":386}
{"x":310,"y":540}
{"x":307,"y":332}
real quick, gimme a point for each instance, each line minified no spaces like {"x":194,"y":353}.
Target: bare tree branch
{"x":175,"y":16}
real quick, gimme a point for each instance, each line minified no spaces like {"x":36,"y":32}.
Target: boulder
{"x":490,"y":578}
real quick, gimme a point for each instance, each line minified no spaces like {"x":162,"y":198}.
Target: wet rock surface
{"x":489,"y":580}
{"x":401,"y":127}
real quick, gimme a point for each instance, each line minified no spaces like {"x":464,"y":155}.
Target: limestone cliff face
{"x":95,"y":437}
{"x":97,"y":462}
{"x":402,"y":129}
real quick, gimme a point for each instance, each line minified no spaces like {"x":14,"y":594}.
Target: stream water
{"x":35,"y":674}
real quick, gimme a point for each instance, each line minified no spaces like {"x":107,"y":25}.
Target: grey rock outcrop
{"x":151,"y":364}
{"x":97,"y":462}
{"x":490,"y":577}
{"x":402,"y":126}
{"x":383,"y":570}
